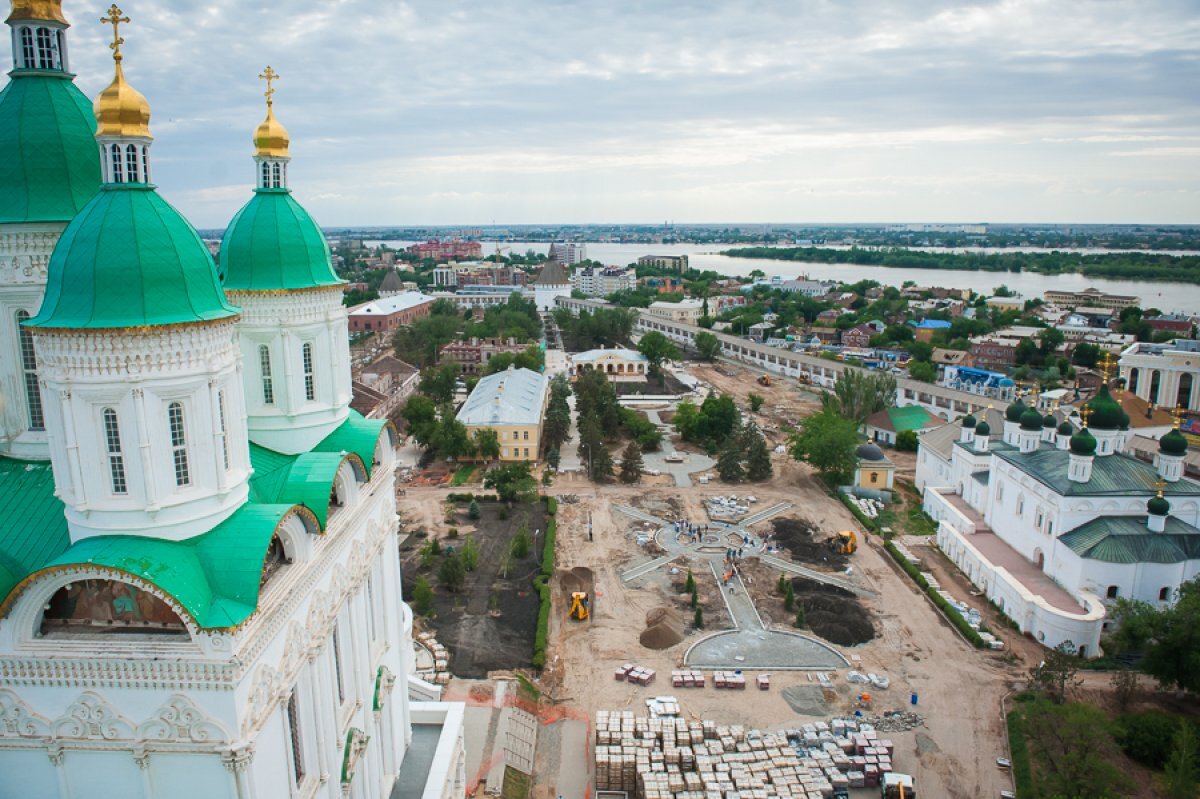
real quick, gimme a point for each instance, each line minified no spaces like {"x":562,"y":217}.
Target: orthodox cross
{"x":1106,"y":366}
{"x":1085,"y":413}
{"x":1177,"y":416}
{"x":269,"y":75}
{"x":115,"y":19}
{"x":1160,"y":484}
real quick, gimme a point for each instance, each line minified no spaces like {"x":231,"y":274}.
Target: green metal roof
{"x":214,"y":576}
{"x":273,"y":244}
{"x":34,"y":529}
{"x":51,"y":164}
{"x":129,"y":260}
{"x":911,"y":417}
{"x":357,"y":435}
{"x":305,"y":479}
{"x":1117,"y":474}
{"x":1126,"y":539}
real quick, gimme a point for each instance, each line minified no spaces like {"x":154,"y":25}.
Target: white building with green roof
{"x":199,"y":592}
{"x":1054,"y":522}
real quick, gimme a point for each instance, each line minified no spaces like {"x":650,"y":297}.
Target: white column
{"x":219,"y":437}
{"x":144,"y":449}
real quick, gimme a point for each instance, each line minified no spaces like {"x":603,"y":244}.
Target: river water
{"x":1171,"y":297}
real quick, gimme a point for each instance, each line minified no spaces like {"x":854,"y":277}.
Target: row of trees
{"x":606,"y":327}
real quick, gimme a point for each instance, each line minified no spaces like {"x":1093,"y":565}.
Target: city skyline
{"x":404,"y":114}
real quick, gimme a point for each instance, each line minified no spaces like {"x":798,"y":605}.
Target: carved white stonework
{"x":90,"y":717}
{"x":25,"y":251}
{"x":135,"y":352}
{"x":18,"y":721}
{"x":181,"y":721}
{"x":265,"y":692}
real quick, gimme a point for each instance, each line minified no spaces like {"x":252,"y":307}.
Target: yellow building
{"x":513,"y":403}
{"x":874,"y":470}
{"x":618,"y":365}
{"x":1006,"y":303}
{"x":687,"y":311}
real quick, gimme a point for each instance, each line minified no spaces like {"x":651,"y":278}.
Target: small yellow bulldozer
{"x":844,"y":542}
{"x":579,"y":606}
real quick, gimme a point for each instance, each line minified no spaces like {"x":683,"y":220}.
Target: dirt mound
{"x":578,"y":579}
{"x":833,"y":613}
{"x":807,"y":544}
{"x":664,"y":629}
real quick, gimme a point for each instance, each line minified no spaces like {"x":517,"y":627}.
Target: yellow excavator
{"x":579,"y":606}
{"x":844,"y":542}
{"x":764,"y":380}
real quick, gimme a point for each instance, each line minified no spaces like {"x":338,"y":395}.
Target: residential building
{"x":809,"y":288}
{"x":719,"y":303}
{"x":453,"y":250}
{"x":664,"y":284}
{"x":388,"y":313}
{"x":569,"y":253}
{"x":927,"y":327}
{"x":201,"y":588}
{"x":473,"y":355}
{"x":383,"y":387}
{"x":1167,"y":374}
{"x":1054,"y":522}
{"x":980,"y":381}
{"x":618,"y":364}
{"x":689,"y":310}
{"x":1180,"y":324}
{"x":993,"y":353}
{"x":678,"y":263}
{"x":600,"y":281}
{"x":760,"y":331}
{"x":513,"y":403}
{"x":945,"y":357}
{"x":883,"y":426}
{"x":1006,"y":303}
{"x":1093,"y":297}
{"x":829,"y":316}
{"x":858,"y":336}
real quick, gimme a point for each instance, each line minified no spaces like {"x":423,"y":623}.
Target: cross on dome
{"x":1085,"y":413}
{"x":115,"y":19}
{"x":269,"y":75}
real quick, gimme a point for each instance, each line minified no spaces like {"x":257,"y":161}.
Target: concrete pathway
{"x":820,"y":577}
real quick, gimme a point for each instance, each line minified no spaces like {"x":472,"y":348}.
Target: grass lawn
{"x":516,"y":784}
{"x":462,"y":475}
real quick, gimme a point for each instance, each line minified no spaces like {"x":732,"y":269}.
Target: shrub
{"x":551,"y":505}
{"x":698,"y":619}
{"x":423,"y":596}
{"x":429,"y":553}
{"x":789,"y":597}
{"x":548,"y":549}
{"x":452,"y":573}
{"x":520,"y":544}
{"x":1144,"y":736}
{"x":690,"y":585}
{"x":452,"y":532}
{"x":503,"y":514}
{"x":952,"y":615}
{"x":1019,"y":754}
{"x":907,"y":441}
{"x":473,"y":510}
{"x":543,"y":626}
{"x":469,"y":554}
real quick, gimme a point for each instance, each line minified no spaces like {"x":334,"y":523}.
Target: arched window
{"x":276,"y":559}
{"x":178,"y":444}
{"x":266,"y":175}
{"x":131,"y":163}
{"x":1164,"y":594}
{"x":116,"y":164}
{"x":221,"y":420}
{"x":28,"y":53}
{"x":47,"y":52}
{"x":33,"y":392}
{"x":1155,"y":381}
{"x":106,"y":607}
{"x":310,"y":388}
{"x":1183,"y":397}
{"x":276,"y":175}
{"x":116,"y":459}
{"x":145,"y":164}
{"x":264,"y":365}
{"x":1112,"y":592}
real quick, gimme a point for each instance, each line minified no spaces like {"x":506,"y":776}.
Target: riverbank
{"x":1119,"y":266}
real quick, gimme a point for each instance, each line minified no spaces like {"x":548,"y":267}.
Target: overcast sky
{"x":527,"y":111}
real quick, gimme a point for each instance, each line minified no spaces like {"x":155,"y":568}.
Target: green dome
{"x":1083,"y":443}
{"x":969,"y":421}
{"x":130,"y":260}
{"x":51,"y":164}
{"x":1173,"y":443}
{"x":1107,"y":413}
{"x":1031,"y":420}
{"x":1065,"y":429}
{"x":1158,"y":506}
{"x":983,"y":430}
{"x":1013,"y":412}
{"x":274,"y":244}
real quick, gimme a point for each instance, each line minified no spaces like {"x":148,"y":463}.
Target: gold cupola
{"x":37,"y":11}
{"x":271,"y":138}
{"x":121,"y":110}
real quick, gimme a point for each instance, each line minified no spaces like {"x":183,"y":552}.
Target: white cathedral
{"x":199,"y":574}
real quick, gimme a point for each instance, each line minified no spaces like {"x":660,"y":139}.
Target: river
{"x":1171,"y":297}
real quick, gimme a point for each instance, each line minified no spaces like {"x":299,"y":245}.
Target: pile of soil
{"x":833,"y":613}
{"x":577,"y":579}
{"x":663,"y":630}
{"x":807,"y":544}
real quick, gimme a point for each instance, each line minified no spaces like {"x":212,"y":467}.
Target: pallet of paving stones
{"x":729,"y":679}
{"x":688,"y":679}
{"x":639,"y":675}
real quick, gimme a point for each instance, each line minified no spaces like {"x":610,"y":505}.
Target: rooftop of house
{"x":898,"y":420}
{"x":512,"y":397}
{"x":386,"y":306}
{"x":619,"y":352}
{"x":1127,"y":539}
{"x":1112,"y":475}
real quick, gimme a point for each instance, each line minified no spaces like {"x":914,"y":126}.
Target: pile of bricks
{"x":729,"y":679}
{"x":687,"y":679}
{"x":639,"y":675}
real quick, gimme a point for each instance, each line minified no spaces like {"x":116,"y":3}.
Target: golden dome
{"x":121,"y":110}
{"x":39,"y":10}
{"x":271,"y":138}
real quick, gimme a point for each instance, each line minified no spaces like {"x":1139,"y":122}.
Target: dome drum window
{"x":179,"y":453}
{"x":310,"y":388}
{"x":116,"y":458}
{"x":39,"y":47}
{"x":33,"y":392}
{"x":264,"y":364}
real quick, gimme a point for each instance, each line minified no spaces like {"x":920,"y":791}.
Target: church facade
{"x":200,"y":592}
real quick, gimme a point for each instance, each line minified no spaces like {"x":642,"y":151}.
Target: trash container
{"x":914,"y":698}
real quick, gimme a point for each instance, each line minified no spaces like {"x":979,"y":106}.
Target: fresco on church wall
{"x":108,"y":603}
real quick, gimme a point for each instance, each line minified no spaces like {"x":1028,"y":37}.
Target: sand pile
{"x":807,"y":544}
{"x":664,"y":629}
{"x":577,"y":579}
{"x":833,"y":613}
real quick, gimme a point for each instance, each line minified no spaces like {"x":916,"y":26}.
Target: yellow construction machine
{"x":764,"y":380}
{"x":844,"y":542}
{"x":579,"y":606}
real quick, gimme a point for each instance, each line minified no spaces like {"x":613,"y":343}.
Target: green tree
{"x":921,"y":351}
{"x":756,"y":402}
{"x":922,"y":371}
{"x":1073,"y":749}
{"x":1056,"y":674}
{"x":690,"y":585}
{"x":758,"y":457}
{"x":450,"y":438}
{"x":438,"y":383}
{"x":826,"y":441}
{"x":1086,"y":354}
{"x":421,"y":415}
{"x":857,"y":394}
{"x":553,"y":458}
{"x":422,"y":596}
{"x":487,"y":443}
{"x":429,"y":553}
{"x":602,"y":464}
{"x":1169,"y":637}
{"x":1179,"y":776}
{"x":556,"y":430}
{"x":520,"y":544}
{"x":801,"y":622}
{"x":658,"y":349}
{"x":789,"y":597}
{"x":473,"y":511}
{"x":781,"y":585}
{"x":469,"y":554}
{"x":695,"y":597}
{"x":698,"y":619}
{"x":708,"y":345}
{"x":531,"y":358}
{"x":512,"y":482}
{"x":907,"y":441}
{"x":452,"y":573}
{"x":631,"y":463}
{"x":729,"y":463}
{"x":420,"y":342}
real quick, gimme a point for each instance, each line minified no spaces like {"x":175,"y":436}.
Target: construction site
{"x":708,"y":640}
